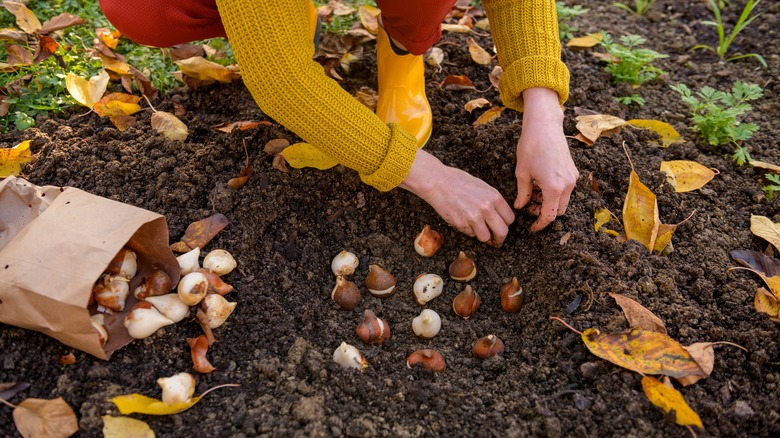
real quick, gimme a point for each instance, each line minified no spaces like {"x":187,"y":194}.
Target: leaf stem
{"x":150,"y":103}
{"x":219,"y":386}
{"x":567,"y":325}
{"x":732,"y":344}
{"x":7,"y":403}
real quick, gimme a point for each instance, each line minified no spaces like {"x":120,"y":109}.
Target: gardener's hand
{"x":543,"y":157}
{"x":465,"y":202}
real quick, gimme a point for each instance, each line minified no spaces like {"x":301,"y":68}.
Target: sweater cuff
{"x":533,"y":71}
{"x":397,"y":162}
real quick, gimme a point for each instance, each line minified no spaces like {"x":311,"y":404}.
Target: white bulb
{"x":177,"y":388}
{"x":349,"y":357}
{"x":427,"y":324}
{"x":219,"y":262}
{"x":427,"y":287}
{"x":344,"y":263}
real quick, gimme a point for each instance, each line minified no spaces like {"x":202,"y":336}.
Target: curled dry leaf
{"x":640,"y":213}
{"x":67,"y":359}
{"x":476,"y":103}
{"x":368,"y":18}
{"x":593,"y":126}
{"x":87,"y":92}
{"x":602,"y":217}
{"x":242,"y":125}
{"x":199,"y":233}
{"x":704,"y":355}
{"x":117,"y":104}
{"x":35,"y":417}
{"x":280,"y":164}
{"x":764,"y":228}
{"x":25,"y":18}
{"x":198,"y":348}
{"x":638,"y":316}
{"x":766,"y":302}
{"x":669,"y":399}
{"x":243,"y":176}
{"x":586,"y":42}
{"x":489,"y":116}
{"x":8,"y":390}
{"x":668,"y":134}
{"x":11,"y":159}
{"x":686,"y":176}
{"x":367,"y":97}
{"x":457,"y":82}
{"x":495,"y":76}
{"x":169,"y":126}
{"x":125,"y":427}
{"x":764,"y":165}
{"x":206,"y":71}
{"x":478,"y":54}
{"x":456,"y":28}
{"x":59,"y":22}
{"x":435,"y":57}
{"x":763,"y":264}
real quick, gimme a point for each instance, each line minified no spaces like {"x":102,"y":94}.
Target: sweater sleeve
{"x":274,"y":49}
{"x":525,"y":33}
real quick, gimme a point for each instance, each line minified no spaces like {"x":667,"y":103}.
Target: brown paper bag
{"x":55,"y":243}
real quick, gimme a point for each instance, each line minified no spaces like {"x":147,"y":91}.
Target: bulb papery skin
{"x":373,"y":330}
{"x":427,"y":324}
{"x":219,"y":262}
{"x":346,"y":294}
{"x":427,"y":287}
{"x":129,"y":264}
{"x":428,"y":242}
{"x":349,"y":357}
{"x":155,"y":284}
{"x":466,"y":303}
{"x":99,"y":324}
{"x":512,"y":296}
{"x":463,"y":268}
{"x":170,"y":306}
{"x":431,"y":360}
{"x":189,"y":261}
{"x":217,"y":309}
{"x":192,"y":288}
{"x":177,"y":388}
{"x":143,"y":320}
{"x":379,"y":282}
{"x":344,"y":263}
{"x":111,"y":292}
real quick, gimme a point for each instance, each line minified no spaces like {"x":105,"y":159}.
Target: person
{"x":273,"y":43}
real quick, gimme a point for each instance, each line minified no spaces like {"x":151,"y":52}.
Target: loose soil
{"x":285,"y":229}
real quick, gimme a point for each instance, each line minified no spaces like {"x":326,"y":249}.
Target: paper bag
{"x":54,"y":245}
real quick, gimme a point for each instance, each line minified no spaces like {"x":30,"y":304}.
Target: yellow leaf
{"x":169,"y":126}
{"x":478,"y":54}
{"x":489,"y":115}
{"x":117,"y":104}
{"x":141,"y":404}
{"x":643,"y":351}
{"x":476,"y":103}
{"x":204,"y":70}
{"x":593,"y":126}
{"x":585,"y":42}
{"x":640,"y":213}
{"x":25,"y":18}
{"x":665,"y":232}
{"x":668,"y":134}
{"x":602,"y":217}
{"x":87,"y":92}
{"x":670,"y":399}
{"x":125,"y":427}
{"x":115,"y":65}
{"x":457,"y":28}
{"x":765,"y":302}
{"x":35,"y":417}
{"x":11,"y":159}
{"x":368,"y":18}
{"x":686,"y":176}
{"x":305,"y":155}
{"x":764,"y":228}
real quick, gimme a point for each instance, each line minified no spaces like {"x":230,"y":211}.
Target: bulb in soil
{"x":427,"y":324}
{"x":428,"y":242}
{"x":373,"y":330}
{"x":219,"y":262}
{"x":463,"y":268}
{"x":344,"y":263}
{"x":349,"y":357}
{"x":346,"y":294}
{"x":192,"y":288}
{"x":217,"y":309}
{"x":427,"y":287}
{"x":189,"y":261}
{"x":379,"y":282}
{"x":488,"y":346}
{"x":466,"y":302}
{"x":429,"y":359}
{"x":512,"y":296}
{"x":177,"y":388}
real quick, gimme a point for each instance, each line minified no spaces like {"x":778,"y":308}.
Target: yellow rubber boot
{"x":402,"y":97}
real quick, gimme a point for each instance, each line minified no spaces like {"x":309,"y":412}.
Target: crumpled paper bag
{"x":54,"y":245}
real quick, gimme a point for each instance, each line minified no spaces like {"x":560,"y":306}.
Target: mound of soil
{"x":285,"y":229}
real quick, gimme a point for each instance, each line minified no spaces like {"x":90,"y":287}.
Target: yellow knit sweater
{"x":273,"y":45}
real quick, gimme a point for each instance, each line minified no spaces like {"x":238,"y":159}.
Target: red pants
{"x":164,"y":23}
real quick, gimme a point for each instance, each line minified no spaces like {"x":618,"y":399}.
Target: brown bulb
{"x":346,"y":294}
{"x":466,"y":302}
{"x":428,"y":242}
{"x":155,"y":284}
{"x":463,"y":268}
{"x":429,"y":359}
{"x":512,"y":296}
{"x":488,"y":346}
{"x":379,"y":282}
{"x":373,"y":330}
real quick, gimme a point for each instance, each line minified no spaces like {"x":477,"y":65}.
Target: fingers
{"x":553,"y":204}
{"x":524,"y":190}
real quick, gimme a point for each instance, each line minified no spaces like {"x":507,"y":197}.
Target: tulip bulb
{"x":512,"y":296}
{"x":111,"y":292}
{"x":427,"y":324}
{"x":99,"y":324}
{"x":177,"y":388}
{"x":488,"y":346}
{"x":219,"y":262}
{"x":431,"y":360}
{"x":124,"y":263}
{"x":427,"y":242}
{"x":192,"y":288}
{"x":170,"y":306}
{"x":188,"y":262}
{"x":143,"y":320}
{"x":466,"y":302}
{"x":346,"y":294}
{"x":427,"y":287}
{"x":463,"y":268}
{"x":379,"y":282}
{"x":373,"y":330}
{"x":349,"y":357}
{"x":217,"y":309}
{"x":157,"y":283}
{"x":344,"y":263}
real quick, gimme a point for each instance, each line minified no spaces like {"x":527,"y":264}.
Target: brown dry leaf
{"x":565,"y":238}
{"x":117,"y":104}
{"x":340,"y":8}
{"x":46,"y":48}
{"x":242,"y":125}
{"x":8,"y":390}
{"x":495,"y":76}
{"x":145,"y":85}
{"x":280,"y":164}
{"x":4,"y":106}
{"x":115,"y":65}
{"x":476,"y":103}
{"x":35,"y":417}
{"x":346,"y":60}
{"x":483,"y":24}
{"x":593,"y":126}
{"x":435,"y":57}
{"x":467,"y":21}
{"x":643,"y":351}
{"x":200,"y":233}
{"x":198,"y":348}
{"x":764,"y":165}
{"x":125,"y":427}
{"x":686,"y":176}
{"x":489,"y":115}
{"x":478,"y":54}
{"x":758,"y":261}
{"x":107,"y":37}
{"x":18,"y":55}
{"x":243,"y":176}
{"x":704,"y":355}
{"x":206,"y":71}
{"x":456,"y":28}
{"x":122,"y":122}
{"x":640,"y":213}
{"x":61,"y":21}
{"x":25,"y":18}
{"x":368,"y":18}
{"x":275,"y":146}
{"x":637,"y":315}
{"x":669,"y":399}
{"x":367,"y":97}
{"x":186,"y":51}
{"x":11,"y":159}
{"x":585,"y":42}
{"x":169,"y":126}
{"x":457,"y":82}
{"x":668,"y":134}
{"x":764,"y":228}
{"x":766,"y":302}
{"x":602,"y":217}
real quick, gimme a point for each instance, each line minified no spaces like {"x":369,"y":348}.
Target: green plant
{"x":741,"y":155}
{"x":640,"y":6}
{"x":629,"y":100}
{"x":770,"y":189}
{"x":724,"y":42}
{"x":629,"y":63}
{"x":565,"y":13}
{"x":717,"y":114}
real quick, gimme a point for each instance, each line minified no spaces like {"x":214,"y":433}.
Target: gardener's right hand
{"x":465,"y":202}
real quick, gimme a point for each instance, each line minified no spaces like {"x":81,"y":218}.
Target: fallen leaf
{"x":764,"y":228}
{"x":760,"y":262}
{"x":495,"y":76}
{"x":638,"y":316}
{"x":122,"y":122}
{"x":198,"y":348}
{"x":107,"y":37}
{"x":483,"y":24}
{"x":478,"y":54}
{"x":18,"y":55}
{"x":275,"y":146}
{"x":115,"y":65}
{"x":200,"y":233}
{"x":241,"y":125}
{"x":87,"y":92}
{"x":476,"y":103}
{"x":11,"y":159}
{"x":593,"y":126}
{"x":302,"y":155}
{"x":565,"y":238}
{"x":8,"y":390}
{"x":640,"y":213}
{"x":280,"y":164}
{"x":457,"y":82}
{"x":46,"y":48}
{"x":59,"y":22}
{"x":686,"y":176}
{"x":367,"y":97}
{"x":141,"y":404}
{"x":665,"y":233}
{"x":435,"y":57}
{"x":456,"y":28}
{"x":764,"y":165}
{"x":125,"y":427}
{"x":704,"y":355}
{"x":117,"y":104}
{"x":340,"y":8}
{"x":669,"y":399}
{"x":207,"y":71}
{"x":668,"y":134}
{"x":368,"y":18}
{"x":585,"y":42}
{"x":243,"y":176}
{"x":169,"y":126}
{"x":602,"y":217}
{"x":25,"y":18}
{"x":643,"y":351}
{"x":766,"y":302}
{"x":35,"y":417}
{"x":489,"y":115}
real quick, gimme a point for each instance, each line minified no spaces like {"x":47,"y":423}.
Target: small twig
{"x":203,"y":321}
{"x":8,"y":403}
{"x":690,"y":429}
{"x":732,"y":344}
{"x":566,"y":324}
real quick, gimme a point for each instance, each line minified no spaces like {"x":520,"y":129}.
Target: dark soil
{"x":285,"y":229}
